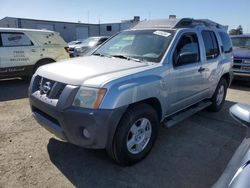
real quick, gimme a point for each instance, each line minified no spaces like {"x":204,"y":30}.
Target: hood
{"x":80,"y":45}
{"x":77,"y":71}
{"x":241,"y":53}
{"x":77,"y":45}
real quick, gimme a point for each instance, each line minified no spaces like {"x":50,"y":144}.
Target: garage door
{"x":45,"y":26}
{"x":82,"y":32}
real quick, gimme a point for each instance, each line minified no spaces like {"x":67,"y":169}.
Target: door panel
{"x":186,"y":87}
{"x":17,"y":50}
{"x":187,"y":75}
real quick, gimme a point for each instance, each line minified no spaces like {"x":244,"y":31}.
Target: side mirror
{"x":186,"y":57}
{"x":241,"y":113}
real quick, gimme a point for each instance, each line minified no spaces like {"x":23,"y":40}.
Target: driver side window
{"x":187,"y":50}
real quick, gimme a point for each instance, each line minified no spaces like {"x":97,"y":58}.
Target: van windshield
{"x":241,"y":42}
{"x":147,"y":45}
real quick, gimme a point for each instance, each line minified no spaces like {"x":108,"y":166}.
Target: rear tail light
{"x":66,"y":49}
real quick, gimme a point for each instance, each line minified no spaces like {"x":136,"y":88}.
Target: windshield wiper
{"x":126,"y":57}
{"x":102,"y":55}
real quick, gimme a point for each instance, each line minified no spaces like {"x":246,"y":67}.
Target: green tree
{"x":237,"y":31}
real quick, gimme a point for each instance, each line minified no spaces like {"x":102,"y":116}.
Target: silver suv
{"x":157,"y":73}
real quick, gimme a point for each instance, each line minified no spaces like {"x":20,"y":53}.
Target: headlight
{"x":78,"y":49}
{"x":81,"y":50}
{"x":89,"y":97}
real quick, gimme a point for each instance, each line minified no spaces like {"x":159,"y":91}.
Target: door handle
{"x":201,"y":69}
{"x":33,"y":50}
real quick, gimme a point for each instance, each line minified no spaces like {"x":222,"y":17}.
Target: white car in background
{"x":22,"y":51}
{"x":82,"y":48}
{"x":74,"y":44}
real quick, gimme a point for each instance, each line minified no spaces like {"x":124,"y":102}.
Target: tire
{"x":219,"y":96}
{"x":41,"y":63}
{"x":135,"y":135}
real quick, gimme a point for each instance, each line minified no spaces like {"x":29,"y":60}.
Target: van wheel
{"x":135,"y":135}
{"x":41,"y":63}
{"x":219,"y":96}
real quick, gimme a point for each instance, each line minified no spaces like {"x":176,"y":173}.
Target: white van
{"x":22,"y":51}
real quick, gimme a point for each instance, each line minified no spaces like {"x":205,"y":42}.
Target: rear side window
{"x":15,"y":39}
{"x":226,"y":41}
{"x":211,"y":44}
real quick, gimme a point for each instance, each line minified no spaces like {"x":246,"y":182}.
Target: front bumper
{"x":68,"y":122}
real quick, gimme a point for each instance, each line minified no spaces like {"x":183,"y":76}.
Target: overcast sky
{"x":226,"y":12}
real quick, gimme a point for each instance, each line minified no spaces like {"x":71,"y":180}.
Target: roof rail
{"x":189,"y":22}
{"x":178,"y":23}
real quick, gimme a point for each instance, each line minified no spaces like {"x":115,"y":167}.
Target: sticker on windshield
{"x":162,"y":33}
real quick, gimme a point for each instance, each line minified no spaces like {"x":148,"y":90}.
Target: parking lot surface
{"x":193,"y":153}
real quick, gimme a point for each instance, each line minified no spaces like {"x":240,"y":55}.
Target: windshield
{"x":90,"y":41}
{"x":148,"y":45}
{"x":241,"y":42}
{"x":74,"y":42}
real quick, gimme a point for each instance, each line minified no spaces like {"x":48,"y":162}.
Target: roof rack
{"x":179,"y":23}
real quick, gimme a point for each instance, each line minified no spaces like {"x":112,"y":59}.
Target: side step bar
{"x":184,"y":114}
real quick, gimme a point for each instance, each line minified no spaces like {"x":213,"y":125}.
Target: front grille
{"x":241,"y":65}
{"x":237,"y":67}
{"x":237,"y":60}
{"x":50,"y":88}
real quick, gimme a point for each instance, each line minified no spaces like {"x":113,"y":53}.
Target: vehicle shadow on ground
{"x":191,"y":154}
{"x":13,"y":89}
{"x":243,"y":85}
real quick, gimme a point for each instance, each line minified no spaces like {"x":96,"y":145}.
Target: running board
{"x":184,"y":114}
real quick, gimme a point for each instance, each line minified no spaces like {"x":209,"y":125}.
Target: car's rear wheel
{"x":219,"y":96}
{"x":135,"y":134}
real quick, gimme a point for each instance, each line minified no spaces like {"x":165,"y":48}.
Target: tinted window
{"x":211,"y":44}
{"x":109,"y":28}
{"x":241,"y":42}
{"x":15,"y":39}
{"x":187,"y":50}
{"x":227,"y":45}
{"x":215,"y":44}
{"x":102,"y":40}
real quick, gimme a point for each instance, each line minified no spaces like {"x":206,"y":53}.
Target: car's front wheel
{"x":135,"y":134}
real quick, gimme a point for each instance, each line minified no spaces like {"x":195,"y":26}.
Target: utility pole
{"x":149,"y":15}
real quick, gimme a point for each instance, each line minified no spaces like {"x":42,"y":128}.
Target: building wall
{"x":124,"y":26}
{"x":115,"y":27}
{"x":66,"y":29}
{"x":94,"y":30}
{"x":9,"y":22}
